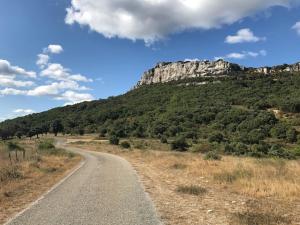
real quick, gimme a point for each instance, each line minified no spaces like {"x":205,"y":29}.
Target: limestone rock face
{"x":168,"y":71}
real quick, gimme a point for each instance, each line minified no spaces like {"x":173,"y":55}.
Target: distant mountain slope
{"x":235,"y":111}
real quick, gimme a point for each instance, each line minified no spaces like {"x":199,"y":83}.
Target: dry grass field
{"x":187,"y":189}
{"x":23,"y":181}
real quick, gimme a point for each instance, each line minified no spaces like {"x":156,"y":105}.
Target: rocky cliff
{"x":168,"y":71}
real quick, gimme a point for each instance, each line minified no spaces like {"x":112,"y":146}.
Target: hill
{"x":242,"y":115}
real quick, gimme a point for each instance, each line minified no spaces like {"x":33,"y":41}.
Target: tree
{"x":19,"y":134}
{"x":57,"y":127}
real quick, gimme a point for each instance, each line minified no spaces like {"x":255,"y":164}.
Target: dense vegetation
{"x":234,"y":114}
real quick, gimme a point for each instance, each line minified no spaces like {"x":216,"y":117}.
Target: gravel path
{"x":104,"y":191}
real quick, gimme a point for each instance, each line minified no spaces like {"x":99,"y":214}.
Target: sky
{"x":59,"y":52}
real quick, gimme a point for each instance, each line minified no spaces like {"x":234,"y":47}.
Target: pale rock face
{"x":168,"y":71}
{"x":165,"y":72}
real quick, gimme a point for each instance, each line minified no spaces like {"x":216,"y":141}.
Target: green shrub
{"x":291,"y":135}
{"x":46,"y":144}
{"x":212,"y":155}
{"x":125,"y":144}
{"x":236,"y":148}
{"x":164,"y":140}
{"x":217,"y":137}
{"x":179,"y":144}
{"x":114,"y":140}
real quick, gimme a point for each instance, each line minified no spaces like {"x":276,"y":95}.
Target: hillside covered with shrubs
{"x":243,"y":115}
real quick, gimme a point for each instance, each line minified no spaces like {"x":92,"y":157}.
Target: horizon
{"x":55,"y":53}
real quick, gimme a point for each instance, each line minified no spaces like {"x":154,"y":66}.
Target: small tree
{"x":57,"y":127}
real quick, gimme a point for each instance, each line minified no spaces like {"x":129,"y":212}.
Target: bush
{"x":236,"y":148}
{"x":212,"y":155}
{"x":9,"y":173}
{"x":191,"y":190}
{"x":179,"y":144}
{"x":125,"y":144}
{"x":114,"y":140}
{"x":202,"y":148}
{"x":164,"y":140}
{"x":46,"y":145}
{"x":217,"y":137}
{"x":291,"y":135}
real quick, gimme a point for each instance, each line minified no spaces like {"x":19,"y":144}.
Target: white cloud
{"x":192,"y":60}
{"x":243,"y":35}
{"x":55,"y":88}
{"x":42,"y":60}
{"x":10,"y":81}
{"x":151,"y":20}
{"x":12,"y":91}
{"x":296,"y":27}
{"x":54,"y":49}
{"x":58,"y":72}
{"x":7,"y":69}
{"x":243,"y":55}
{"x":63,"y":88}
{"x":24,"y":112}
{"x":73,"y":97}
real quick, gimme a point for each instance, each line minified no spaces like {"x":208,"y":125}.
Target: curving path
{"x":105,"y":190}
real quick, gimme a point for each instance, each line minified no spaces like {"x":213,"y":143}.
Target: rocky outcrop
{"x":168,"y":71}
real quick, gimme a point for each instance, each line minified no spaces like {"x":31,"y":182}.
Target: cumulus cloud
{"x":74,"y":97}
{"x":296,"y":27}
{"x":55,"y":88}
{"x":12,"y":91}
{"x":243,"y":55}
{"x":7,"y":69}
{"x":42,"y":60}
{"x":57,"y":72}
{"x":243,"y":35}
{"x":151,"y":20}
{"x":10,"y":81}
{"x":62,"y":88}
{"x":54,"y":49}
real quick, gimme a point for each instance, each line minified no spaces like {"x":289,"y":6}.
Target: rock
{"x":167,"y":71}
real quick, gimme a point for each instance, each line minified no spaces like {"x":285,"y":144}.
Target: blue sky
{"x":100,"y":48}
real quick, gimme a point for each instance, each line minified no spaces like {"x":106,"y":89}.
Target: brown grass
{"x":24,"y":181}
{"x":238,"y":190}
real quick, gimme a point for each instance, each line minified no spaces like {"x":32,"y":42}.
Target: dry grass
{"x":238,"y":190}
{"x":191,"y":189}
{"x":24,"y":181}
